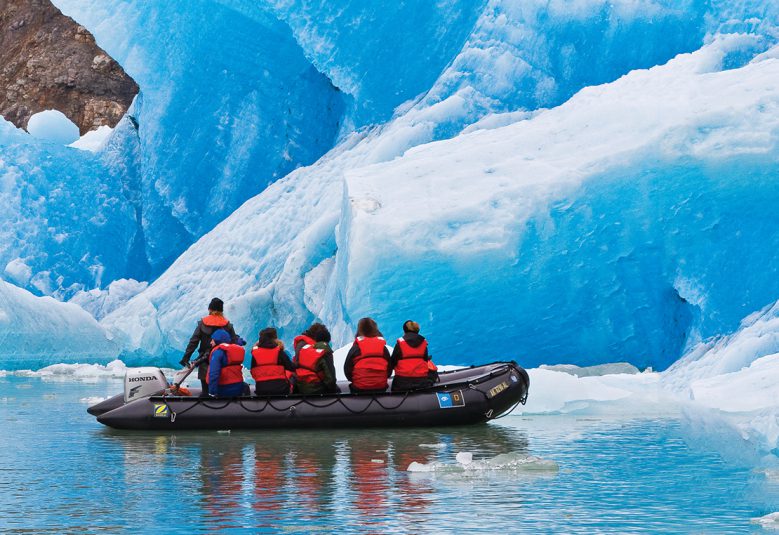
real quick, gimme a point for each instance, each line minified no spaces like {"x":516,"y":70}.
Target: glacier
{"x":38,"y":331}
{"x":228,"y":104}
{"x":605,"y":229}
{"x":574,"y":182}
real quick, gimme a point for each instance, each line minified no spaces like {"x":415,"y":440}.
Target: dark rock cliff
{"x":48,"y":61}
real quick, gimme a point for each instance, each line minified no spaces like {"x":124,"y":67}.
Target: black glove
{"x":184,"y":362}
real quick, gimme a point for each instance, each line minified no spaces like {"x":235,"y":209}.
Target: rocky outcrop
{"x":48,"y":61}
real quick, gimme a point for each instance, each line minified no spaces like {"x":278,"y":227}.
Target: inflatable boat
{"x":465,"y":396}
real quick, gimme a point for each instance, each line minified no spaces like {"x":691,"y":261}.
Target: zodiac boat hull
{"x":466,"y":396}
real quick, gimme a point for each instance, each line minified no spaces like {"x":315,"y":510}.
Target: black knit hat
{"x":216,"y":304}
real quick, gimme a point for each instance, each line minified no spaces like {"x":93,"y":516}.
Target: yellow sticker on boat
{"x":160,"y":410}
{"x":495,"y":390}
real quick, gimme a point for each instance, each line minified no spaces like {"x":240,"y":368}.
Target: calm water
{"x":62,"y":471}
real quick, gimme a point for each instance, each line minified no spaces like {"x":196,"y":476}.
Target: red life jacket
{"x":233,"y":372}
{"x":306,"y":359}
{"x":266,"y":365}
{"x":411,"y":362}
{"x":371,"y":365}
{"x":214,"y":321}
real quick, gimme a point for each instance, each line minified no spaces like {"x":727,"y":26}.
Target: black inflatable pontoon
{"x":466,"y":396}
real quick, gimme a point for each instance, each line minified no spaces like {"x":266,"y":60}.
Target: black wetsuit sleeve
{"x":193,"y":342}
{"x":395,"y":357}
{"x":285,"y":361}
{"x":354,"y":351}
{"x":389,"y":361}
{"x":327,"y":368}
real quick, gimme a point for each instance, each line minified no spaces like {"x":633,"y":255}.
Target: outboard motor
{"x":143,"y":382}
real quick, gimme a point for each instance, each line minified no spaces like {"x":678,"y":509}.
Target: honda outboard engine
{"x":143,"y":382}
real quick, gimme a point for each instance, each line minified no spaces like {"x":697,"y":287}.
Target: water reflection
{"x":262,"y":480}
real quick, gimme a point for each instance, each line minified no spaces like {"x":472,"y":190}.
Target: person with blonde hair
{"x":367,"y":364}
{"x":411,"y":361}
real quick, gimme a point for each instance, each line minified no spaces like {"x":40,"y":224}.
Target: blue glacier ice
{"x":575,"y":182}
{"x":66,"y":220}
{"x":228,"y":104}
{"x":609,"y":228}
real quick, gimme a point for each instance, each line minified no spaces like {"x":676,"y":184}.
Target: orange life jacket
{"x":411,"y":362}
{"x":306,"y":359}
{"x":267,"y":364}
{"x":214,"y":321}
{"x":371,"y":365}
{"x":233,"y":372}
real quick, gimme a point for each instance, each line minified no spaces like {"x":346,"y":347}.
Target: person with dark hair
{"x":271,"y":365}
{"x":224,"y":373}
{"x":205,"y":328}
{"x":314,"y":368}
{"x":367,"y":364}
{"x":411,"y":361}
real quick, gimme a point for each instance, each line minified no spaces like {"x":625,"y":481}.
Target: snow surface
{"x":54,"y":126}
{"x":608,"y":228}
{"x":94,"y":140}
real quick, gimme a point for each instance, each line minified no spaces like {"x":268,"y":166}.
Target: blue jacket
{"x":218,"y":361}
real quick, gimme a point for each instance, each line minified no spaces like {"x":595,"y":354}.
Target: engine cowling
{"x":143,"y":382}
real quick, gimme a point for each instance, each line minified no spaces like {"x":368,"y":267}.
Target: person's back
{"x":225,"y":367}
{"x":314,"y":368}
{"x":201,"y":339}
{"x":411,"y":361}
{"x":271,"y":365}
{"x":367,"y":364}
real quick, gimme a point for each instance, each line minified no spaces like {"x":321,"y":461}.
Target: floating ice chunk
{"x":770,"y":521}
{"x":513,"y":461}
{"x":464,"y":457}
{"x":94,"y":140}
{"x":93,"y":400}
{"x":113,"y":370}
{"x":53,"y":125}
{"x":593,"y":371}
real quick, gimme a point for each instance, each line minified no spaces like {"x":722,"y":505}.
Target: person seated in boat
{"x":314,"y":368}
{"x":367,"y":364}
{"x":225,"y":367}
{"x":201,"y":339}
{"x":271,"y":365}
{"x":410,"y":360}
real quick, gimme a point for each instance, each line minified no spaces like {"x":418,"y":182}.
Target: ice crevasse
{"x":624,"y":224}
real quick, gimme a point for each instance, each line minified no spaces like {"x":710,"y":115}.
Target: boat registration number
{"x":447,"y":400}
{"x":495,"y":390}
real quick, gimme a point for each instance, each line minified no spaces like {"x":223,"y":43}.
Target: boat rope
{"x":340,"y":398}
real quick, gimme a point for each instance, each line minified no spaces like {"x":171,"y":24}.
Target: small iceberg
{"x":770,"y":521}
{"x":514,"y":461}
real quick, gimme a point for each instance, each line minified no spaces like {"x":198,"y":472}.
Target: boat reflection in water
{"x":304,"y":480}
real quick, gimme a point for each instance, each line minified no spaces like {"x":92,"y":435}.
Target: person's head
{"x":216,"y":307}
{"x":220,"y":336}
{"x":319,"y":333}
{"x":268,"y":337}
{"x":368,"y":328}
{"x":411,"y":327}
